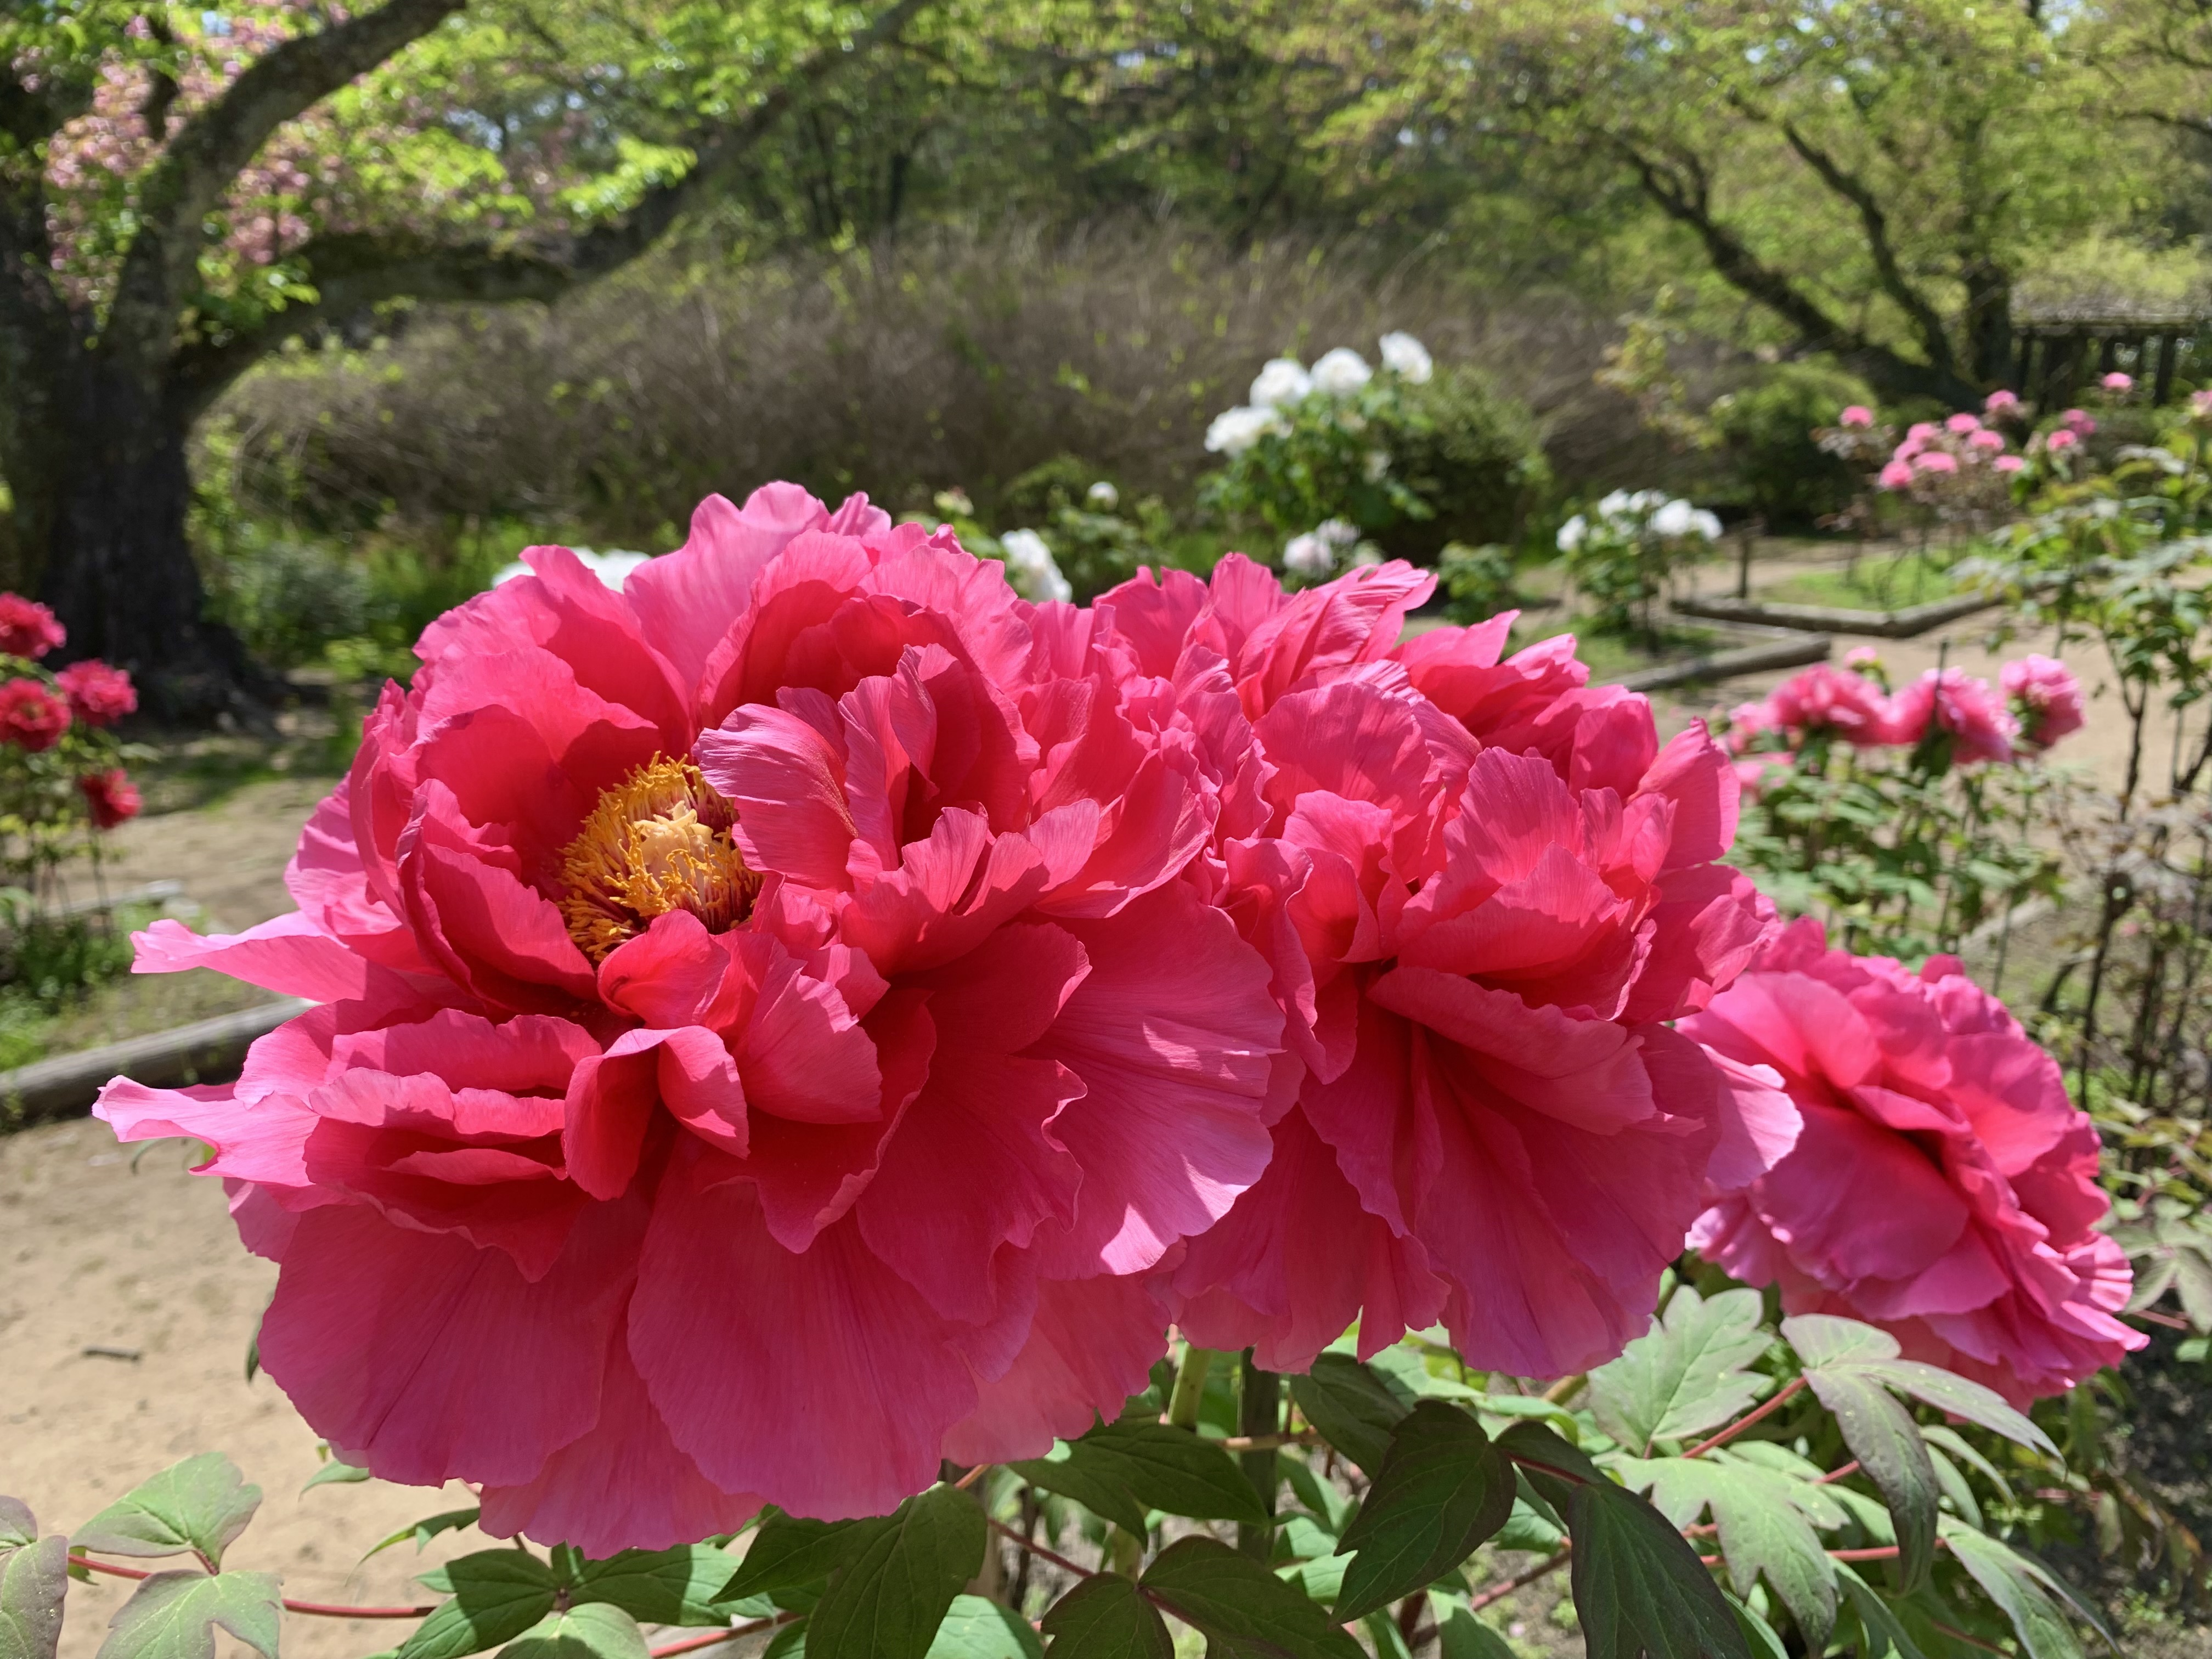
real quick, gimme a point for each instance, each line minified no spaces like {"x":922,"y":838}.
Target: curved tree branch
{"x":212,"y":147}
{"x":354,"y":272}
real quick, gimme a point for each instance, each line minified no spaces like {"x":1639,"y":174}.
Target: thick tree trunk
{"x":1989,"y":325}
{"x":118,"y":570}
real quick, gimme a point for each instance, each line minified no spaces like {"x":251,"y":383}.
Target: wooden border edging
{"x":1723,"y":665}
{"x":1826,"y":619}
{"x":205,"y":1051}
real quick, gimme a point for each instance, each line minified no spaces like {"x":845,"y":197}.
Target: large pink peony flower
{"x":1943,"y":1186}
{"x":766,"y":1047}
{"x":1483,"y":888}
{"x":2047,"y":697}
{"x":1952,"y":701}
{"x":1827,"y":698}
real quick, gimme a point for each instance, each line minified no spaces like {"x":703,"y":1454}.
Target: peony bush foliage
{"x":855,"y":1108}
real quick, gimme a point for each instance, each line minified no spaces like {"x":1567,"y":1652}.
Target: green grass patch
{"x":1612,"y":655}
{"x":1889,"y":582}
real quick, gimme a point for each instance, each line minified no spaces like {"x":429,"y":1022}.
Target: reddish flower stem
{"x":971,"y":1477}
{"x":1844,"y":1473}
{"x":321,"y":1609}
{"x":710,"y":1638}
{"x":1521,"y":1580}
{"x":1773,"y":1405}
{"x":1037,"y":1549}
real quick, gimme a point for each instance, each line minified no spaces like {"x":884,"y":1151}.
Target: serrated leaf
{"x":1949,"y":1392}
{"x":787,"y":1551}
{"x":1442,"y":1489}
{"x":2042,"y":1629}
{"x":2153,"y":1282}
{"x":1875,"y":1617}
{"x":174,"y":1615}
{"x":1639,"y":1588}
{"x":33,"y":1583}
{"x":975,"y":1628}
{"x":889,"y":1597}
{"x":1824,"y":1339}
{"x":430,"y":1527}
{"x":1687,"y":1376}
{"x":1461,"y":1635}
{"x":1883,"y":1437}
{"x":1107,"y":1617}
{"x":597,"y":1630}
{"x":1240,"y":1606}
{"x":493,"y":1597}
{"x":1763,"y":1532}
{"x":1354,"y":1409}
{"x":200,"y":1505}
{"x":682,"y":1586}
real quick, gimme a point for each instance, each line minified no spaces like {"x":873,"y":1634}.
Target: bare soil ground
{"x":95,"y":1252}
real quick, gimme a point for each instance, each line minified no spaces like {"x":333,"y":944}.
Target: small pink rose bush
{"x":810,"y":1013}
{"x":59,"y":763}
{"x":1941,"y":1186}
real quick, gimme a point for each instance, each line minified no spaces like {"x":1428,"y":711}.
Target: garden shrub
{"x":1779,"y":469}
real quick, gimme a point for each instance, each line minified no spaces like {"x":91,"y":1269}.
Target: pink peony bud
{"x":1936,"y":460}
{"x":1858,"y":416}
{"x":1963,"y":422}
{"x":2001,"y":402}
{"x":1898,"y":475}
{"x":2116,"y":381}
{"x":2047,"y":695}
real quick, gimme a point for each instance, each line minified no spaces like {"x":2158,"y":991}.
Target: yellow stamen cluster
{"x":658,"y":841}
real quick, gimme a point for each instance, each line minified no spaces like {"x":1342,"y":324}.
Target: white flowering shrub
{"x":1622,"y":553}
{"x":1406,"y":458}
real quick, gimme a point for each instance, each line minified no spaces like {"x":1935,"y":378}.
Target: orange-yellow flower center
{"x":658,"y":841}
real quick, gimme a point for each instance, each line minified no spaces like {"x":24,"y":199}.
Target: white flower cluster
{"x":612,"y":567}
{"x":1314,"y":554}
{"x":1285,"y":381}
{"x":1031,"y":568}
{"x":1623,"y":515}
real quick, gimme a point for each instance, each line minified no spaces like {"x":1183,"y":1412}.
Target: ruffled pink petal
{"x":289,"y":954}
{"x":689,"y":601}
{"x":1091,"y":1345}
{"x":408,"y":1351}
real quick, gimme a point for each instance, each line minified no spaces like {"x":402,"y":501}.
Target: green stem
{"x":1260,"y":1412}
{"x":1189,"y":1386}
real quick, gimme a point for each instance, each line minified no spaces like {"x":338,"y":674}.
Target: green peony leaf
{"x":1442,"y":1489}
{"x":1107,"y":1617}
{"x":1552,"y":1467}
{"x":682,"y":1586}
{"x":1244,"y":1611}
{"x":2006,"y":1580}
{"x":430,"y":1527}
{"x":1764,"y":1531}
{"x":1461,"y":1635}
{"x":976,"y":1628}
{"x":787,"y":1552}
{"x":1354,"y":1409}
{"x":200,"y":1505}
{"x":337,"y":1471}
{"x":1092,"y":1482}
{"x":174,"y":1615}
{"x":1886,"y":1633}
{"x":1639,"y":1588}
{"x":1172,"y":1469}
{"x":598,"y":1630}
{"x":1824,"y":1339}
{"x":1688,"y":1376}
{"x":1949,"y":1392}
{"x":1883,"y":1437}
{"x":494,"y":1596}
{"x":33,"y":1582}
{"x":889,"y":1597}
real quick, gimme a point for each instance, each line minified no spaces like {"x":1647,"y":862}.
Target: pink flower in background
{"x":2116,"y":381}
{"x":1936,"y":460}
{"x":2200,"y":404}
{"x":99,"y":693}
{"x":1483,"y":888}
{"x":1754,"y":773}
{"x":1949,"y":700}
{"x":1943,"y":1185}
{"x":1897,"y":475}
{"x":110,"y":797}
{"x":2079,"y":423}
{"x":768,"y":995}
{"x":1857,"y":416}
{"x":1921,"y":431}
{"x":2060,"y":438}
{"x":1986,"y":439}
{"x":2048,"y":695}
{"x":31,"y":716}
{"x":27,"y":628}
{"x":1748,"y":722}
{"x":2000,"y":402}
{"x":1962,"y":424}
{"x":2008,"y":464}
{"x":1862,"y":656}
{"x":1827,"y":698}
